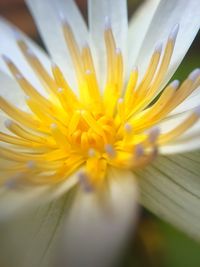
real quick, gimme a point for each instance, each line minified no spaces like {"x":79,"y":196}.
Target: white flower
{"x":92,"y":128}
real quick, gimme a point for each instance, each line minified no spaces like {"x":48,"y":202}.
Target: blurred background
{"x":156,"y":244}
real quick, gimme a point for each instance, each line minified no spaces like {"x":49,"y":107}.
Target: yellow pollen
{"x":64,"y":133}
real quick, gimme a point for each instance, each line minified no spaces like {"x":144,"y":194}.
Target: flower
{"x":93,"y":137}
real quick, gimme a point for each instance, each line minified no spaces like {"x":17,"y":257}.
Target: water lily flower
{"x":85,"y":135}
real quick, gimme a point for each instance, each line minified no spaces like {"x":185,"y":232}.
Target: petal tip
{"x":158,"y":47}
{"x":107,"y":23}
{"x":175,"y":84}
{"x":8,"y":123}
{"x":194,"y":74}
{"x":174,"y":32}
{"x":197,"y":111}
{"x":5,"y":58}
{"x":85,"y":182}
{"x":17,"y":35}
{"x":153,"y":134}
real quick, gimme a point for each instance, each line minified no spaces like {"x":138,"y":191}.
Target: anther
{"x":174,"y":32}
{"x":13,"y":182}
{"x":62,"y":18}
{"x":139,"y":151}
{"x":6,"y":59}
{"x":155,"y":151}
{"x":118,"y":51}
{"x":153,"y":134}
{"x":85,"y":45}
{"x":120,"y":100}
{"x":53,"y":126}
{"x":31,"y":164}
{"x":197,"y":111}
{"x":110,"y":150}
{"x":158,"y":47}
{"x":19,"y":76}
{"x":88,"y":72}
{"x":27,"y":97}
{"x":8,"y":123}
{"x":194,"y":74}
{"x":135,"y":69}
{"x":85,"y":182}
{"x":53,"y":65}
{"x":128,"y":128}
{"x":30,"y":52}
{"x":175,"y":84}
{"x":60,"y":90}
{"x":91,"y":152}
{"x":107,"y":23}
{"x":17,"y":35}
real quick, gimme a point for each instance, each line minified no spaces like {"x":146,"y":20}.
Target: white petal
{"x":32,"y":237}
{"x":170,"y":188}
{"x":59,"y":190}
{"x":98,"y":225}
{"x":9,"y":47}
{"x":13,"y":200}
{"x":116,"y":12}
{"x":182,"y":146}
{"x":167,"y":15}
{"x":48,"y":17}
{"x":10,"y":90}
{"x":190,"y":103}
{"x":171,"y":122}
{"x":188,"y":141}
{"x":138,"y":27}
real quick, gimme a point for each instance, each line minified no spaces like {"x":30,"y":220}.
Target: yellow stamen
{"x":130,"y":90}
{"x":63,"y":132}
{"x":180,"y":129}
{"x":148,"y":77}
{"x":74,"y":51}
{"x":59,"y":137}
{"x":62,"y":83}
{"x":38,"y":68}
{"x":19,"y":115}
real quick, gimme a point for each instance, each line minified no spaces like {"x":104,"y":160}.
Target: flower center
{"x":64,"y":133}
{"x":89,"y":130}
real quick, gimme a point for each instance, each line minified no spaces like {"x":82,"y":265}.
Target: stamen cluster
{"x":64,"y":132}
